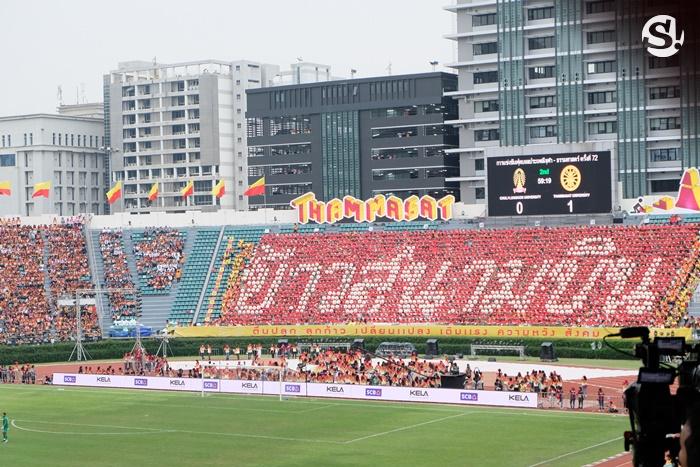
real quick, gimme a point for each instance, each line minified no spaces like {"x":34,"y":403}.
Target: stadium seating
{"x":117,"y":275}
{"x":236,"y":246}
{"x":24,"y":316}
{"x":68,"y":271}
{"x":158,"y":254}
{"x":545,"y":276}
{"x":194,"y":275}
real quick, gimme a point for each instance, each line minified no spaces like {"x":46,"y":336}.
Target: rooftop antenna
{"x":388,"y":69}
{"x":83,"y":99}
{"x":299,"y":59}
{"x":433,"y":63}
{"x":353,"y":72}
{"x":59,"y":95}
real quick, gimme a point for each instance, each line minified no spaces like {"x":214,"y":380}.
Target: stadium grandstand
{"x":455,"y":272}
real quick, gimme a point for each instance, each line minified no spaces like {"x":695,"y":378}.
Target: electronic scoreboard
{"x":574,"y":183}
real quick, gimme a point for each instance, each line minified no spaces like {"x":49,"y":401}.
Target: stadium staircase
{"x":234,"y":240}
{"x":199,"y":257}
{"x":97,"y":272}
{"x":47,"y":280}
{"x":103,"y":304}
{"x":156,"y":305}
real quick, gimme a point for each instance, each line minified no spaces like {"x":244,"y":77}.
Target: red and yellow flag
{"x":5,"y":189}
{"x":219,"y":190}
{"x":115,"y":193}
{"x":257,"y":188}
{"x":188,"y":190}
{"x":153,"y":193}
{"x":41,"y":189}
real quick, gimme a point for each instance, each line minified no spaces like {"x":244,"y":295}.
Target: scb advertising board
{"x":340,"y":391}
{"x":573,"y":183}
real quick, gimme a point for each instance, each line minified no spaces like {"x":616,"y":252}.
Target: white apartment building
{"x":175,"y":123}
{"x":63,"y":150}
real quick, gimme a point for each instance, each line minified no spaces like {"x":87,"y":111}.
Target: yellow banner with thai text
{"x":411,"y":330}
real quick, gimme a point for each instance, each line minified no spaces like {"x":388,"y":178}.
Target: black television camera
{"x":656,"y":414}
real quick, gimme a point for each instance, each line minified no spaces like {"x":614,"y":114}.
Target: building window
{"x":31,"y":139}
{"x":485,"y":48}
{"x":478,"y":164}
{"x":480,"y":193}
{"x":481,"y":77}
{"x":539,"y":72}
{"x":540,"y":13}
{"x":600,"y":128}
{"x":662,"y":186}
{"x":664,"y":154}
{"x":535,"y":43}
{"x":544,"y":131}
{"x":663,"y":62}
{"x":486,"y":135}
{"x":25,"y":139}
{"x":665,"y":92}
{"x":486,"y":106}
{"x":602,"y":97}
{"x":542,"y":102}
{"x":600,"y":6}
{"x":484,"y":20}
{"x":607,"y":66}
{"x":599,"y":37}
{"x":7,"y":160}
{"x":664,"y":123}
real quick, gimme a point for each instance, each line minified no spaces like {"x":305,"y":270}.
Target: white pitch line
{"x":403,"y":428}
{"x":576,"y":452}
{"x":314,"y":409}
{"x":143,"y":431}
{"x":154,"y":431}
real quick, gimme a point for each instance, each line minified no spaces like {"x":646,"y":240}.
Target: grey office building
{"x":359,"y":137}
{"x":539,"y":73}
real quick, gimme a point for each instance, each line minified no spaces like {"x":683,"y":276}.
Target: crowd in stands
{"x":30,"y":258}
{"x":69,"y":271}
{"x":159,"y":256}
{"x":573,"y":276}
{"x":234,"y":259}
{"x":24,"y":312}
{"x":123,"y":305}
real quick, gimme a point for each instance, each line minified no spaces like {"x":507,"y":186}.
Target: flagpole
{"x":265,"y":201}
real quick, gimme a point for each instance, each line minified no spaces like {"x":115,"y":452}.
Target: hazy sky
{"x":70,"y":43}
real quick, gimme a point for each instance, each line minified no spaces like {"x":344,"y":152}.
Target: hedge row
{"x":114,"y":349}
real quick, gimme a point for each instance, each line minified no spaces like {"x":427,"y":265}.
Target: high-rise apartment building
{"x":538,"y":73}
{"x":183,"y":122}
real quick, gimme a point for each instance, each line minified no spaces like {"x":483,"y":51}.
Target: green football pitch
{"x":110,"y":427}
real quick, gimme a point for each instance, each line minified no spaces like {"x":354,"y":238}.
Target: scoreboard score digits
{"x":574,"y":183}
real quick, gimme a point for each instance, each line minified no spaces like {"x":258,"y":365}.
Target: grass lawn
{"x":110,"y":427}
